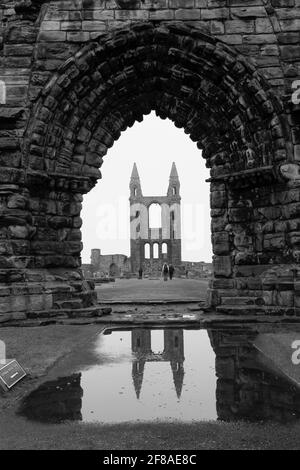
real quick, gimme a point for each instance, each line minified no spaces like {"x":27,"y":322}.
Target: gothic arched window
{"x":155,"y":216}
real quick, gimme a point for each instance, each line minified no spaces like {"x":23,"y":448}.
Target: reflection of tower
{"x":141,"y":346}
{"x":173,"y":352}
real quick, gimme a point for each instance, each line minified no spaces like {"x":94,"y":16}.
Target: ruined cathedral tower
{"x":150,"y":245}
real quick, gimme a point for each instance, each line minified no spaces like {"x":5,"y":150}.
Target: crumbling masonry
{"x":75,"y":74}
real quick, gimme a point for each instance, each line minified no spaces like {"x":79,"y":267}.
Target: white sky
{"x":153,"y":144}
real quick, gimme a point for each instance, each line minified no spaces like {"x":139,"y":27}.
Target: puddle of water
{"x":151,"y":375}
{"x":55,"y":401}
{"x":142,"y":375}
{"x":180,"y":374}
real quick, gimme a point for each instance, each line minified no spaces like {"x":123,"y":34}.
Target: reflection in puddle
{"x":142,"y":375}
{"x":256,"y":377}
{"x":55,"y":401}
{"x":149,"y":375}
{"x":176,"y":374}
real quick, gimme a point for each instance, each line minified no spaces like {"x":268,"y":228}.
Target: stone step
{"x":240,"y":309}
{"x":257,"y":301}
{"x":68,"y":304}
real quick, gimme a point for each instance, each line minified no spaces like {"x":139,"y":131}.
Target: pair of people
{"x":168,"y":271}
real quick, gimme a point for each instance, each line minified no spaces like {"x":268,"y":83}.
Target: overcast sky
{"x":153,"y":144}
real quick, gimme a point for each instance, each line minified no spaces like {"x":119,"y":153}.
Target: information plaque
{"x":10,"y":373}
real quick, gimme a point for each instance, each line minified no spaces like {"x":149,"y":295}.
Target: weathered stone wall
{"x":112,"y":265}
{"x":196,"y":269}
{"x":69,"y":85}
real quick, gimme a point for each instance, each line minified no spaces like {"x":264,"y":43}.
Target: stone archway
{"x":223,"y":104}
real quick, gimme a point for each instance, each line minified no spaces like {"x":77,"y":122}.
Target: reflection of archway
{"x":114,"y":270}
{"x":203,"y":86}
{"x":173,"y":352}
{"x":251,"y":385}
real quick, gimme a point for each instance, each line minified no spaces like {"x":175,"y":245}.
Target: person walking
{"x":165,"y":271}
{"x":171,"y":271}
{"x":141,"y":273}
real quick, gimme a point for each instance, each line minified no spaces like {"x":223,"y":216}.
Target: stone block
{"x":291,"y":25}
{"x":100,"y":14}
{"x":187,"y":14}
{"x":285,"y":298}
{"x":217,"y":27}
{"x":181,"y":4}
{"x":52,"y":36}
{"x":93,"y":26}
{"x":222,"y":266}
{"x":263,"y":25}
{"x":50,"y":26}
{"x":70,"y":25}
{"x":19,"y":231}
{"x":220,"y":242}
{"x":215,"y":14}
{"x":213,"y":298}
{"x":248,"y":12}
{"x":162,"y":15}
{"x":274,"y":241}
{"x":222,"y":283}
{"x":283,"y":3}
{"x":78,"y":36}
{"x":218,"y":199}
{"x":239,"y":26}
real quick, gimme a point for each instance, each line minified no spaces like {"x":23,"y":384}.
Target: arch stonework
{"x":223,"y":74}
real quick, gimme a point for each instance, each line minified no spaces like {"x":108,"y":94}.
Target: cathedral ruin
{"x":151,"y":246}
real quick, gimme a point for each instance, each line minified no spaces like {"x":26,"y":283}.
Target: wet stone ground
{"x":176,"y":374}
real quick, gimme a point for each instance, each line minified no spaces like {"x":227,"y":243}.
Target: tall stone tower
{"x":151,"y":246}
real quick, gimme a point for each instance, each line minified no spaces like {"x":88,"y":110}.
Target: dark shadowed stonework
{"x":247,"y":387}
{"x":75,"y":74}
